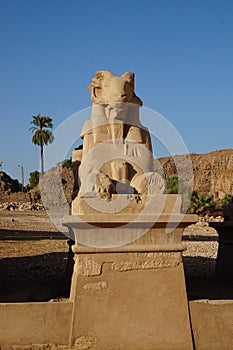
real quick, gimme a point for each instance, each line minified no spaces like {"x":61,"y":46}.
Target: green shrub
{"x":201,"y":204}
{"x":27,"y":188}
{"x":34,"y":178}
{"x":227,"y":199}
{"x":67,"y":163}
{"x":174,"y":185}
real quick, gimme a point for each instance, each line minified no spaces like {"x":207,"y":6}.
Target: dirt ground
{"x":35,"y":264}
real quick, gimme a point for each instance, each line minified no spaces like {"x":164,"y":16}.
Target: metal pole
{"x":22,"y":175}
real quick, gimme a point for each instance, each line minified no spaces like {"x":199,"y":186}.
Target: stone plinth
{"x":24,"y":324}
{"x":128,"y":286}
{"x":123,"y":204}
{"x":95,"y":233}
{"x":224,"y":264}
{"x":131,"y":296}
{"x":212,"y":324}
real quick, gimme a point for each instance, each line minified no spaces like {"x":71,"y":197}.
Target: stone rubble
{"x":11,"y":206}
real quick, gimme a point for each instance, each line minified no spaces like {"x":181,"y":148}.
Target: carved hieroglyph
{"x":117,"y":152}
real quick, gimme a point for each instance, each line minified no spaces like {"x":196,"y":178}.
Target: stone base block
{"x":130,"y":301}
{"x":127,"y":205}
{"x":24,"y":324}
{"x":212,"y":324}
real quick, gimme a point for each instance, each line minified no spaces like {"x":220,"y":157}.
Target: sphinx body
{"x":117,"y":152}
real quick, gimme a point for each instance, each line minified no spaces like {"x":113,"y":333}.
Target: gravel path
{"x":201,"y":245}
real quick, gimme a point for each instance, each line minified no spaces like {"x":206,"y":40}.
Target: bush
{"x":67,"y":163}
{"x":34,"y":178}
{"x":174,"y":185}
{"x":27,"y":188}
{"x":201,"y":204}
{"x":227,"y":199}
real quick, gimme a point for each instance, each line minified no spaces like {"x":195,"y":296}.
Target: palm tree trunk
{"x":42,"y":158}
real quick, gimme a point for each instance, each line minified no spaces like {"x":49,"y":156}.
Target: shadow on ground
{"x":202,"y":282}
{"x":8,"y":234}
{"x":48,"y":276}
{"x":35,"y":278}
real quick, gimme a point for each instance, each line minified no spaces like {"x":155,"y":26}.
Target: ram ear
{"x":129,"y":76}
{"x":103,"y":74}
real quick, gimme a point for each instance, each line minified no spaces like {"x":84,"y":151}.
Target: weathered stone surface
{"x":77,"y":155}
{"x":104,"y":186}
{"x":144,"y":261}
{"x":128,"y":204}
{"x":81,"y":343}
{"x":157,"y":255}
{"x":212,"y":324}
{"x":84,"y":342}
{"x":89,"y":267}
{"x":143,"y":265}
{"x":37,"y":347}
{"x":139,"y":308}
{"x":40,"y":323}
{"x":96,"y":286}
{"x":149,"y":183}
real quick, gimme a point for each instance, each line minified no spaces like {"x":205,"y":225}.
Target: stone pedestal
{"x":133,"y":296}
{"x":224,"y":264}
{"x":128,"y":287}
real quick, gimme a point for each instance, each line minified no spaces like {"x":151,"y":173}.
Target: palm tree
{"x":41,"y":135}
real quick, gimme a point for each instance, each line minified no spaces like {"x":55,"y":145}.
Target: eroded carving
{"x":84,"y":342}
{"x":144,"y":265}
{"x":149,"y":183}
{"x":81,"y":343}
{"x":96,"y":286}
{"x":155,"y":255}
{"x":41,"y":347}
{"x":90,"y":267}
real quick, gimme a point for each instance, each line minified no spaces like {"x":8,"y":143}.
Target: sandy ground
{"x":40,"y":262}
{"x":200,"y":240}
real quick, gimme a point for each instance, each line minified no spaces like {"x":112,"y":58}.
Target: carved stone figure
{"x":117,"y":152}
{"x":106,"y":88}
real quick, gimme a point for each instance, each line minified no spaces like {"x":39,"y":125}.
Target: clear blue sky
{"x":181,"y":52}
